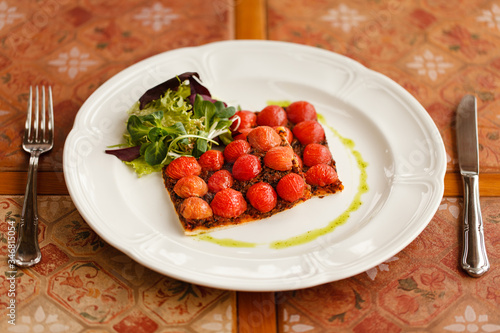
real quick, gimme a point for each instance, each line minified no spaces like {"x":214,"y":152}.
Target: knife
{"x":474,"y":258}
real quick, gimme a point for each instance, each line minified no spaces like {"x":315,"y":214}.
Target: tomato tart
{"x":279,"y":157}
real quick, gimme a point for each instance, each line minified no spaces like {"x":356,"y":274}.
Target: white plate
{"x":390,"y":129}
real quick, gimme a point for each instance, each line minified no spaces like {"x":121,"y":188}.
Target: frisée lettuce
{"x":176,"y":118}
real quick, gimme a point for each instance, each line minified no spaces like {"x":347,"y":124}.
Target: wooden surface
{"x":250,"y":19}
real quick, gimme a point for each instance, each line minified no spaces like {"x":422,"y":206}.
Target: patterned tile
{"x":177,"y":302}
{"x":221,"y":318}
{"x":115,"y":41}
{"x":334,"y":305}
{"x":90,"y":292}
{"x":42,"y":315}
{"x":52,"y":208}
{"x":469,"y":315}
{"x":293,"y":320}
{"x":489,"y":288}
{"x":74,"y":235}
{"x":435,"y":239}
{"x":136,"y":322}
{"x":123,"y":266}
{"x":376,"y":323}
{"x":22,"y":282}
{"x":73,"y":61}
{"x":430,"y":65}
{"x":420,"y":295}
{"x":52,"y":259}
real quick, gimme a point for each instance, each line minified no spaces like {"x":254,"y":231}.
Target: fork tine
{"x":27,"y":127}
{"x":51,"y":117}
{"x":42,"y":124}
{"x":37,"y":115}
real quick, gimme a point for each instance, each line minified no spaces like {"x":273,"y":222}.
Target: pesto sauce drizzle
{"x":355,"y":204}
{"x":228,"y":242}
{"x":312,"y":234}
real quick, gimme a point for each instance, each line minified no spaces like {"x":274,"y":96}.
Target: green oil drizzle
{"x":227,"y":242}
{"x":312,"y":234}
{"x":355,"y":204}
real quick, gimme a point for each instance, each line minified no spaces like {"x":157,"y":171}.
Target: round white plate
{"x":390,"y":129}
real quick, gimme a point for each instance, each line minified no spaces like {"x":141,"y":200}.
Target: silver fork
{"x":38,"y":139}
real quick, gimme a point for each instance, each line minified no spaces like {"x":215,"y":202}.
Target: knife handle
{"x":474,"y":258}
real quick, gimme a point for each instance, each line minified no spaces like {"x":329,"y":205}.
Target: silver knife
{"x":474,"y":258}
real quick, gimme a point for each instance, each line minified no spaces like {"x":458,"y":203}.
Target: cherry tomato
{"x":272,"y":115}
{"x":220,"y":180}
{"x":314,"y":153}
{"x":228,"y":203}
{"x":211,"y":160}
{"x":248,"y":119}
{"x":309,"y":131}
{"x":291,"y":187}
{"x":289,"y":134}
{"x":246,"y":167}
{"x":194,"y":208}
{"x":262,"y":197}
{"x":263,"y":138}
{"x":182,"y":167}
{"x":243,"y":134}
{"x":301,"y":111}
{"x":235,"y":149}
{"x":190,"y":186}
{"x":279,"y":158}
{"x":321,"y":175}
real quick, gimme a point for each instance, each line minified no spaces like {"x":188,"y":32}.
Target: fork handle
{"x":27,"y":249}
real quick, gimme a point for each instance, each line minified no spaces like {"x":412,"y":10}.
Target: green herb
{"x":171,"y":127}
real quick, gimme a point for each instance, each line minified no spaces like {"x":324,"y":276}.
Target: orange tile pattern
{"x":75,"y":46}
{"x":437,"y":50}
{"x":420,"y":289}
{"x":82,"y":283}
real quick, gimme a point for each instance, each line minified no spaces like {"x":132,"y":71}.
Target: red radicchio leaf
{"x":173,"y":83}
{"x":125,"y":154}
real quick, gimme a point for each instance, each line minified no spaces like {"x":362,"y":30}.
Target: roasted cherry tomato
{"x":182,"y":167}
{"x":279,"y":158}
{"x":301,"y":111}
{"x":194,"y":208}
{"x":314,"y":153}
{"x":248,"y":119}
{"x":309,"y":131}
{"x":272,"y":115}
{"x":263,"y":138}
{"x":246,"y":167}
{"x":211,"y":160}
{"x":220,"y":180}
{"x":228,"y":203}
{"x":190,"y":186}
{"x":262,"y":197}
{"x":242,"y":134}
{"x":321,"y":175}
{"x":235,"y":149}
{"x":291,"y":187}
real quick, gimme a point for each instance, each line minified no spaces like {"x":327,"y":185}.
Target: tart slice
{"x":279,"y":158}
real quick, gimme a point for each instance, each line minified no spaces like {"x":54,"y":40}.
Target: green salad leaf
{"x":172,"y":126}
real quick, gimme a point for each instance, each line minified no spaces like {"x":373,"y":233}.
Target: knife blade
{"x":474,"y":257}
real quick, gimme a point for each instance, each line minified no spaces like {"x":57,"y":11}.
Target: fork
{"x":38,"y":139}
